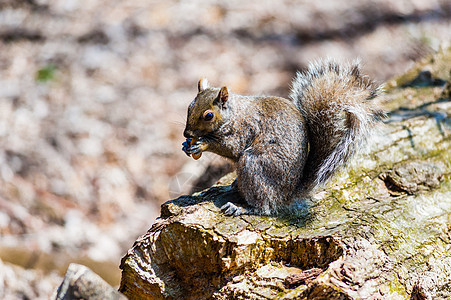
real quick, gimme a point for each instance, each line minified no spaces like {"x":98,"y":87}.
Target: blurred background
{"x":93,"y":98}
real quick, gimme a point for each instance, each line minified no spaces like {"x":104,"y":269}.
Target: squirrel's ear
{"x":223,"y":96}
{"x":202,"y":84}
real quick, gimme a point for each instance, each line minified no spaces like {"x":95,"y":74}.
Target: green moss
{"x":438,"y":64}
{"x":46,"y":73}
{"x":393,"y":286}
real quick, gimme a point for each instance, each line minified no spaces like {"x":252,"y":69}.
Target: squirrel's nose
{"x":188,"y":134}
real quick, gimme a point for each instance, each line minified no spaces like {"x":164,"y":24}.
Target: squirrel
{"x":285,"y":149}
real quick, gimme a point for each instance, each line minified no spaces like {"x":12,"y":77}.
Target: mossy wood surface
{"x":381,"y":228}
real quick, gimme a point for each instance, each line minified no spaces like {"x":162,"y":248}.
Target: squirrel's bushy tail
{"x":333,"y":98}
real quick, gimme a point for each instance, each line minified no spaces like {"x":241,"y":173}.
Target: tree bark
{"x":380,"y":230}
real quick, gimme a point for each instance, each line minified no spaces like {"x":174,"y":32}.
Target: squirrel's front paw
{"x":231,"y":209}
{"x":185,"y":146}
{"x":194,"y":147}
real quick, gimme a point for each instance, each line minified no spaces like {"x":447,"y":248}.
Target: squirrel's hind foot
{"x":231,"y":209}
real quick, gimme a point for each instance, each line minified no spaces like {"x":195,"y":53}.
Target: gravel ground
{"x":93,"y":97}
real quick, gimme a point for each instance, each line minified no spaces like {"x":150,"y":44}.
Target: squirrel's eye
{"x":208,"y":116}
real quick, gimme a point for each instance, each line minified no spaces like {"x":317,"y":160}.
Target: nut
{"x":195,"y":156}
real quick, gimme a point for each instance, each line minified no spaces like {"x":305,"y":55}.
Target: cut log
{"x":380,"y":230}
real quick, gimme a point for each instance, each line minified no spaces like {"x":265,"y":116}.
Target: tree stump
{"x":380,"y":230}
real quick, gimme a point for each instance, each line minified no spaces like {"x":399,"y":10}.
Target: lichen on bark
{"x":380,"y":229}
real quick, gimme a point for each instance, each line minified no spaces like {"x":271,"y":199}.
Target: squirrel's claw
{"x":195,"y":148}
{"x":186,"y":146}
{"x":231,"y":209}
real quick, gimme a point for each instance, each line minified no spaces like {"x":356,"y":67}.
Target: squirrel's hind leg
{"x":238,"y":205}
{"x":264,"y":182}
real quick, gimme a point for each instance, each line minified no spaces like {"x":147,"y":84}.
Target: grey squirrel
{"x":284,"y":149}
